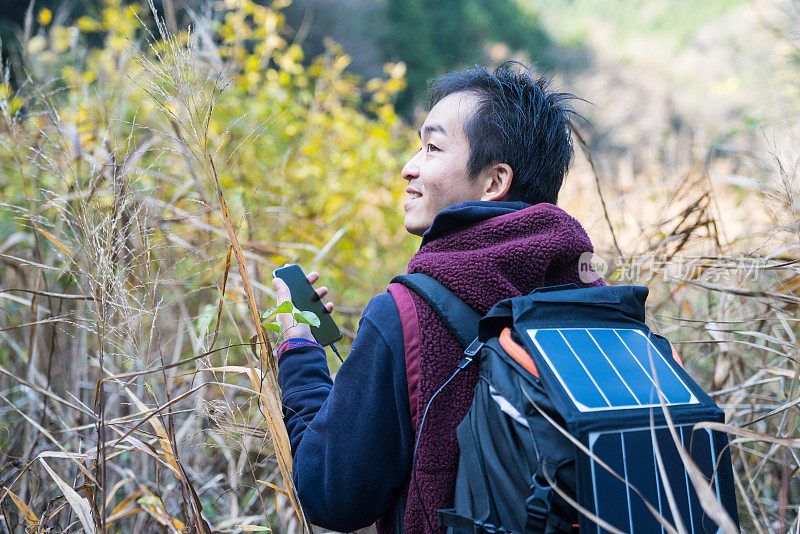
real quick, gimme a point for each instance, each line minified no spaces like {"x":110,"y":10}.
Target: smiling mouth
{"x":412,"y":196}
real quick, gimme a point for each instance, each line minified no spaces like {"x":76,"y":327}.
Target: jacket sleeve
{"x":351,"y":438}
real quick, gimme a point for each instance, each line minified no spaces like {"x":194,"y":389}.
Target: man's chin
{"x":413,"y":229}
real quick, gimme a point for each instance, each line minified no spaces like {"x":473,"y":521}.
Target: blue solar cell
{"x":642,"y":476}
{"x":622,"y":506}
{"x":572,"y":374}
{"x":600,"y":368}
{"x":603,"y":368}
{"x":612,"y":502}
{"x":645,"y":352}
{"x":636,"y":378}
{"x":700,"y":447}
{"x":675,"y":477}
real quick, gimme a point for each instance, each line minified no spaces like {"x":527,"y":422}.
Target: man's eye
{"x":431,"y":146}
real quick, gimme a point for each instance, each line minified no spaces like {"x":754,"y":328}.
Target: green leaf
{"x":306,"y":317}
{"x":284,"y":307}
{"x":275,"y":327}
{"x":205,"y":319}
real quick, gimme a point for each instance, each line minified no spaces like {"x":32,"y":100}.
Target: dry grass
{"x":97,"y":384}
{"x":135,"y":380}
{"x":717,"y":245}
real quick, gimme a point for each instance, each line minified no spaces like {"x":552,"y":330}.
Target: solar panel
{"x":610,"y":368}
{"x":631,"y":454}
{"x":596,"y":372}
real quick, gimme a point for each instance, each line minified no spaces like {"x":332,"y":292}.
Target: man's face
{"x":437,"y":174}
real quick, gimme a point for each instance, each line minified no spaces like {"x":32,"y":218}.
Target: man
{"x":481,"y":191}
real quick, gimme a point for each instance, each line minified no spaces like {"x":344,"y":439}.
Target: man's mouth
{"x":413,"y":194}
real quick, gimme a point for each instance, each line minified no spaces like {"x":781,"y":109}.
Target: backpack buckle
{"x":474,"y":347}
{"x":538,"y":505}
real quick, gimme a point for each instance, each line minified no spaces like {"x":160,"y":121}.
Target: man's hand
{"x":289,"y":327}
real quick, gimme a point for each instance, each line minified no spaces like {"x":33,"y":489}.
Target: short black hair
{"x":519,"y":121}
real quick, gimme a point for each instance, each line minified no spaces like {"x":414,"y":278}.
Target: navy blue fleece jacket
{"x":352,"y":439}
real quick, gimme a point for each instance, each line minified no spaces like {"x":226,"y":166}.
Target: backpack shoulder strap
{"x":459,"y":318}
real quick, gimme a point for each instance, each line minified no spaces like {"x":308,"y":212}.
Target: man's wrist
{"x":295,"y":343}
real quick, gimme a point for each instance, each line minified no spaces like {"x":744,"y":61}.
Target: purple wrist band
{"x":295,"y":343}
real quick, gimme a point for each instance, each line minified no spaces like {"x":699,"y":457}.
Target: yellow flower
{"x":116,"y":42}
{"x":36,"y":44}
{"x":395,"y":84}
{"x":88,"y":77}
{"x":395,"y":70}
{"x":70,"y":75}
{"x":62,"y":38}
{"x":88,"y":24}
{"x":44,"y":17}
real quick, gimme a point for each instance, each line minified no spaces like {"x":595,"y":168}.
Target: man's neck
{"x":464,"y":213}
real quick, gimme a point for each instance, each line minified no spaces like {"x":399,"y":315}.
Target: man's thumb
{"x":282,"y":292}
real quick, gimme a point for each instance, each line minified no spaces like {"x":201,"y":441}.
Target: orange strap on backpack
{"x":675,"y":354}
{"x":517,"y":352}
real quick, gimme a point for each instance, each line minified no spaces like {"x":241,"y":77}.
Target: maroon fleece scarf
{"x":484,"y":263}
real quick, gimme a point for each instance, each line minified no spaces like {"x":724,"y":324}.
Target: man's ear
{"x":498,"y":181}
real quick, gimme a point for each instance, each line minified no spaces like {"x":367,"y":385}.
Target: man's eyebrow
{"x":433,"y":128}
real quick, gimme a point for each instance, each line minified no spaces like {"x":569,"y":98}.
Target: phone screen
{"x":305,"y":298}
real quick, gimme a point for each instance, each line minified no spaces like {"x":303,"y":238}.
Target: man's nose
{"x":411,"y":168}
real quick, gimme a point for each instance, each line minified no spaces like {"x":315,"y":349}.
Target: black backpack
{"x":568,"y":415}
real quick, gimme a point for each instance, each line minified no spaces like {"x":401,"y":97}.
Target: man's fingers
{"x":321,"y":292}
{"x":329,"y":307}
{"x":312,"y":277}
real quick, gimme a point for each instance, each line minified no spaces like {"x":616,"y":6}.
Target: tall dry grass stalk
{"x":186,"y":92}
{"x":103,"y":386}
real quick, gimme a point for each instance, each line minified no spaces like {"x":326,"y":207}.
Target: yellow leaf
{"x":152,"y":505}
{"x":88,"y":25}
{"x":163,"y":437}
{"x":26,"y":512}
{"x":37,"y":43}
{"x":273,"y":486}
{"x":61,"y":38}
{"x":44,"y":17}
{"x":53,"y":240}
{"x":116,"y":513}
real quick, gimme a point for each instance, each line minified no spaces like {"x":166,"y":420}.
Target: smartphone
{"x":304,"y":298}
